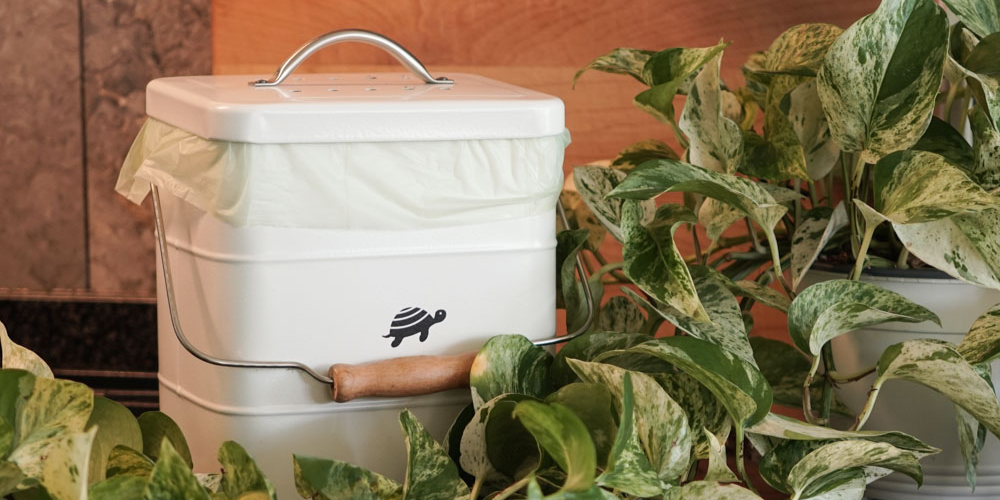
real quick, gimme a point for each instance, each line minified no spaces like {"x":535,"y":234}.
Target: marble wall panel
{"x":42,"y":229}
{"x":127,"y":43}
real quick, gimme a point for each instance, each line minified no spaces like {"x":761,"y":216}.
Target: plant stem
{"x":753,"y":236}
{"x":828,"y":366}
{"x":681,"y":140}
{"x":904,"y":254}
{"x":852,"y":210}
{"x":813,"y":196}
{"x":859,"y":263}
{"x":949,"y":101}
{"x":964,"y":116}
{"x":776,"y":260}
{"x":740,"y":466}
{"x":615,"y":267}
{"x":869,"y":405}
{"x":858,"y":172}
{"x":476,"y":487}
{"x":697,"y":244}
{"x":854,"y":377}
{"x":807,"y":393}
{"x":797,"y":204}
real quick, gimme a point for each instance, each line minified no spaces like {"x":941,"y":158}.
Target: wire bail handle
{"x":364,"y":36}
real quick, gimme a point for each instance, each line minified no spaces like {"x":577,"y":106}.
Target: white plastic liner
{"x":377,"y":185}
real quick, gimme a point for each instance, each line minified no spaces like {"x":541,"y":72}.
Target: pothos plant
{"x":847,"y":146}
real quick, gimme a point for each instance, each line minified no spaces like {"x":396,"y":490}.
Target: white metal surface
{"x":326,"y":296}
{"x":912,"y":408}
{"x":376,"y":107}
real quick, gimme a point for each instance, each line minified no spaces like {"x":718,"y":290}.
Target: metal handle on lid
{"x":364,"y":36}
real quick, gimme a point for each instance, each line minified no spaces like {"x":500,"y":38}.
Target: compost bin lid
{"x":355,"y":107}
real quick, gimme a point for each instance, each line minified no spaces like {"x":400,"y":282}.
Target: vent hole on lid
{"x":372,"y":77}
{"x":332,"y":90}
{"x":407,"y":87}
{"x":370,"y":89}
{"x":296,"y":90}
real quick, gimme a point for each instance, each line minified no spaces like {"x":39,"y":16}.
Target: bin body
{"x":323,"y":282}
{"x":329,"y":296}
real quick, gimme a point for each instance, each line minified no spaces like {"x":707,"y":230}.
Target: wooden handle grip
{"x":407,"y":376}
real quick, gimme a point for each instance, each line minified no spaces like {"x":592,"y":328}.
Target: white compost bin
{"x":302,"y":219}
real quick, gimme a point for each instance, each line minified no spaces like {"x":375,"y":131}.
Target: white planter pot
{"x":912,"y":408}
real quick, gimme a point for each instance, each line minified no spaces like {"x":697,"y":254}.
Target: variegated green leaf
{"x":793,"y":57}
{"x":831,"y":308}
{"x":118,"y":488}
{"x":942,"y":139}
{"x":430,"y":473}
{"x":665,"y":72}
{"x":593,"y":405}
{"x":622,"y":61}
{"x":661,"y":176}
{"x":761,"y":293}
{"x":821,"y":466}
{"x":757,"y":78}
{"x":917,"y":186}
{"x":980,"y":16}
{"x":662,"y":424}
{"x":652,"y":260}
{"x":241,"y":478}
{"x":621,"y":315}
{"x":6,"y":437}
{"x":880,"y":78}
{"x":805,"y":112}
{"x":982,"y":343}
{"x":703,"y":409}
{"x":716,"y":142}
{"x":785,"y":368}
{"x":718,"y":469}
{"x":983,"y":72}
{"x":564,"y":437}
{"x":779,"y":155}
{"x":812,"y":234}
{"x":509,"y":364}
{"x":494,"y":445}
{"x":726,"y":328}
{"x":124,"y":461}
{"x":799,"y":50}
{"x":738,"y":385}
{"x":628,"y":469}
{"x":971,"y":433}
{"x":787,"y":428}
{"x":322,"y":479}
{"x":587,"y":347}
{"x":569,"y":291}
{"x":710,"y":490}
{"x":716,"y":216}
{"x":172,"y":477}
{"x":635,"y":154}
{"x":966,"y":246}
{"x":939,"y":366}
{"x":54,"y":405}
{"x":157,"y":427}
{"x":21,"y":358}
{"x":986,"y":152}
{"x":594,"y":183}
{"x":116,"y":426}
{"x":58,"y":461}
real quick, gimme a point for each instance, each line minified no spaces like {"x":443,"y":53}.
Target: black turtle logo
{"x":411,"y":321}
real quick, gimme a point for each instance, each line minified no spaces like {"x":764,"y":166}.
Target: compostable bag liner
{"x":367,"y":185}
